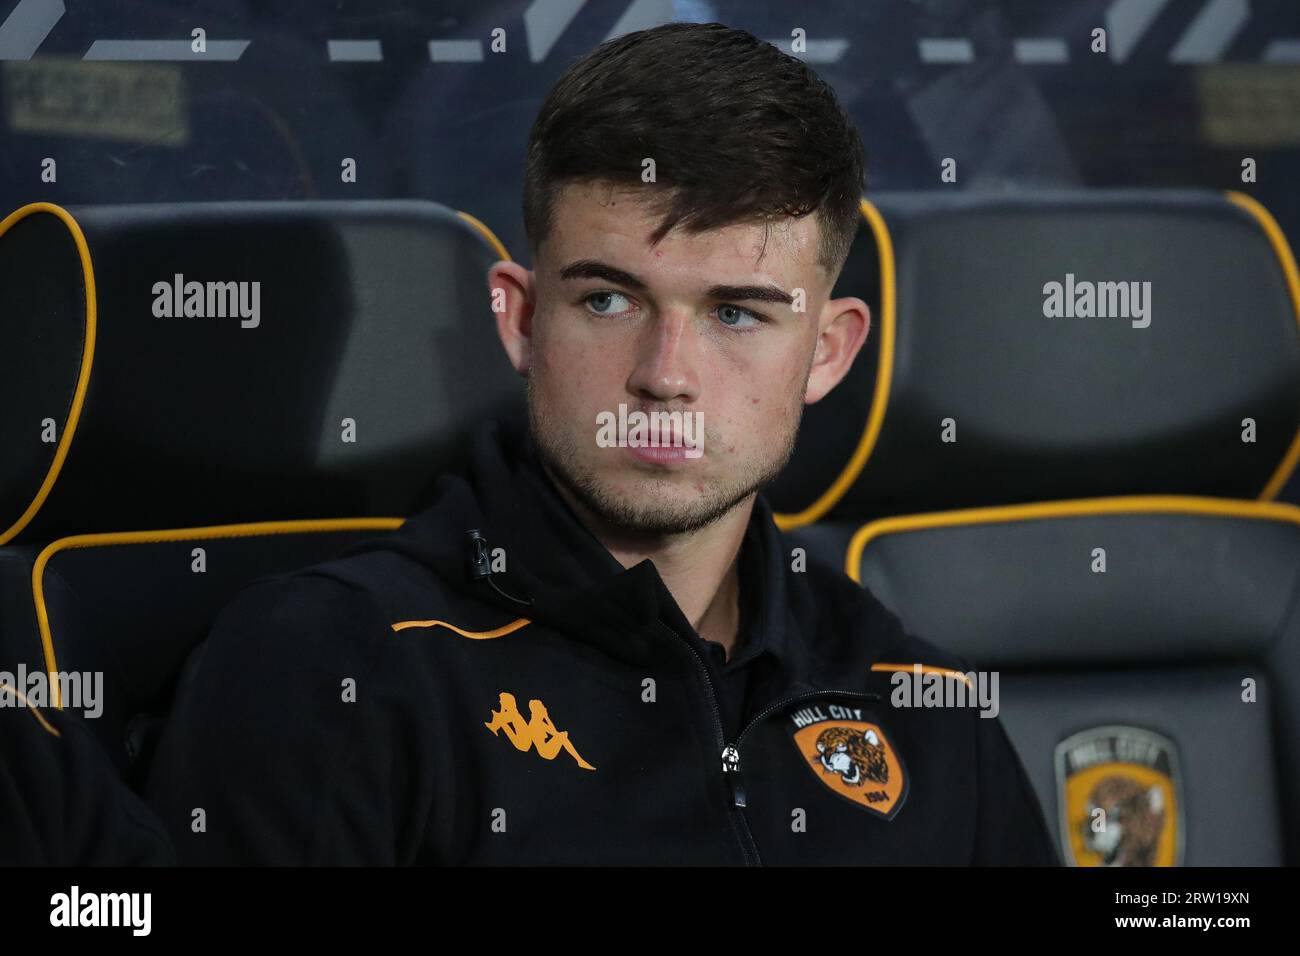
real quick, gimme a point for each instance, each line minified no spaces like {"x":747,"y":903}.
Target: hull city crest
{"x":852,"y":757}
{"x":1120,"y":798}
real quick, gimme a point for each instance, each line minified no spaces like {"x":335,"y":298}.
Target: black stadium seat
{"x":370,"y":311}
{"x":1099,"y":533}
{"x":1066,"y":407}
{"x":1191,"y":632}
{"x":131,"y":606}
{"x":191,"y":456}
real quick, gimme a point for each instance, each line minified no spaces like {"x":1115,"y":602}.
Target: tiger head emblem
{"x":856,"y":756}
{"x":1134,"y":815}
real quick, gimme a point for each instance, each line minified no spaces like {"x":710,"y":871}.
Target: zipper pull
{"x":731,"y":772}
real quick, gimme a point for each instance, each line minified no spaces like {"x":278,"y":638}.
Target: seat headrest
{"x":1057,"y":345}
{"x":172,"y":365}
{"x":1140,"y":580}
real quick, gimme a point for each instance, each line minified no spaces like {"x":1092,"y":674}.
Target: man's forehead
{"x":608,"y":221}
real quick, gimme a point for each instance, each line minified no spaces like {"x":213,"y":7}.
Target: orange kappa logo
{"x":537,"y":732}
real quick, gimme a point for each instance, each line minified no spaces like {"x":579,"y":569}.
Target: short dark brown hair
{"x":739,"y":132}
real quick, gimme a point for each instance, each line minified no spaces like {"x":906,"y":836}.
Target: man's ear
{"x":513,"y":300}
{"x":843,"y":325}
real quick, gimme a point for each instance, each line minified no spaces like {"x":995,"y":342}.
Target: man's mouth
{"x":660,"y":454}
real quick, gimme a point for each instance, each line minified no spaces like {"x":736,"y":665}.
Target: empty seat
{"x":1070,"y":481}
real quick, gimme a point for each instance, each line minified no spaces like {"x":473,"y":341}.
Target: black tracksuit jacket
{"x":62,"y":802}
{"x":388,"y":707}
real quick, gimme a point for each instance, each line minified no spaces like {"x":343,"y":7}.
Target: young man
{"x":623,"y":664}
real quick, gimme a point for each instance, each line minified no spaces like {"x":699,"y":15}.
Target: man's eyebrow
{"x":595,"y":269}
{"x":757,"y":293}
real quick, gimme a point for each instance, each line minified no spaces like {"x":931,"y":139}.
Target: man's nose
{"x":666,"y":357}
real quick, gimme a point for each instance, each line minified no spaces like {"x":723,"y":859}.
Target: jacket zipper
{"x":740,"y":826}
{"x":731,"y":752}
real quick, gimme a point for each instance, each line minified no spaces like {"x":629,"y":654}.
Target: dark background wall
{"x":1186,"y":90}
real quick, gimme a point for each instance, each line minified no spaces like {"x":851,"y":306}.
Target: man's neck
{"x":700,"y":569}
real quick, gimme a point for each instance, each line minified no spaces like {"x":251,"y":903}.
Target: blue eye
{"x":600,"y":302}
{"x":730,"y":311}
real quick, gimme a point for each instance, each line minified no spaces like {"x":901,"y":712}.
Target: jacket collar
{"x":552,"y":559}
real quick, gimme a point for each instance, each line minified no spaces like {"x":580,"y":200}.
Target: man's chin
{"x":662,"y":504}
{"x":633,"y":497}
{"x":667,"y":521}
